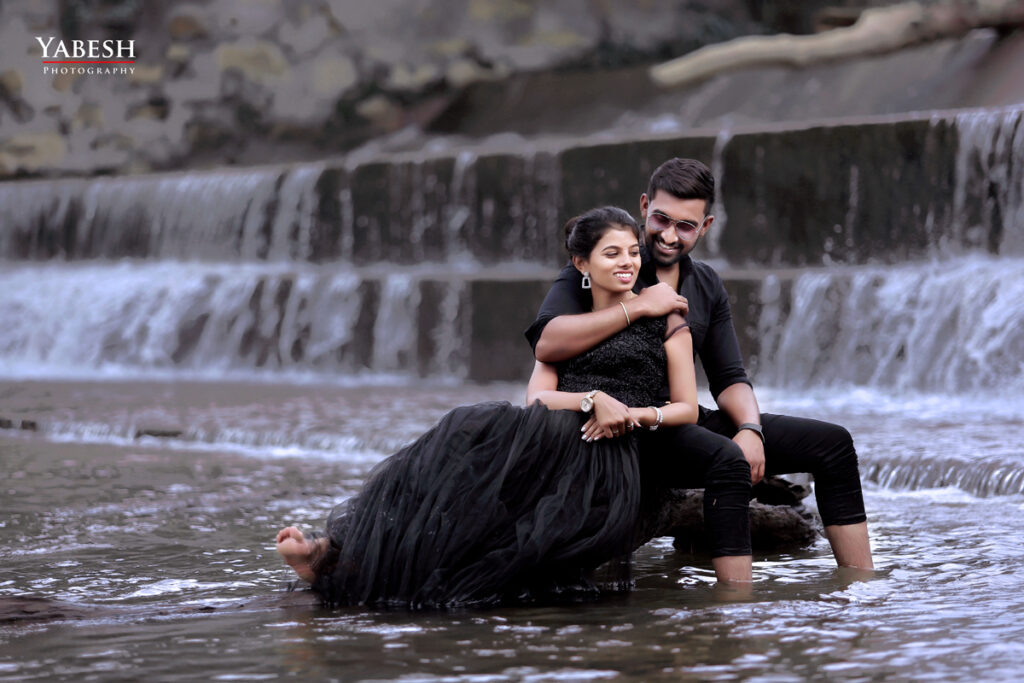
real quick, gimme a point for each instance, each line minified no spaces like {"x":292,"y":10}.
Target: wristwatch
{"x":587,"y":402}
{"x":756,"y":428}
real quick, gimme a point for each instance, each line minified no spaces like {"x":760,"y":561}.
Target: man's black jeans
{"x":705,"y":456}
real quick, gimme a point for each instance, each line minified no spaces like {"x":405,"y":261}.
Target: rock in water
{"x":779,"y":522}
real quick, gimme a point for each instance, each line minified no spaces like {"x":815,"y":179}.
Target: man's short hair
{"x":684,"y":179}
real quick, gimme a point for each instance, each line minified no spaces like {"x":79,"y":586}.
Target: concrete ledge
{"x":851,"y":193}
{"x":879,"y":190}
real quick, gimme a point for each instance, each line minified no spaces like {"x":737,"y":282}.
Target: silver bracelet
{"x":657,"y":411}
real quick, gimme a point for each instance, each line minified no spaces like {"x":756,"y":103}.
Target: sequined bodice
{"x":630,"y":365}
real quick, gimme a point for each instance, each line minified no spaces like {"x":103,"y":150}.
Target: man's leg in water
{"x":300,"y":553}
{"x":824,"y":450}
{"x":689,"y":456}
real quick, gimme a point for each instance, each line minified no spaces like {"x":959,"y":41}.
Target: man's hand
{"x":658,"y":300}
{"x":611,"y":418}
{"x":753,"y":450}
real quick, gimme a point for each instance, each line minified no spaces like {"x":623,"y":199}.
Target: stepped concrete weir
{"x":433,"y":264}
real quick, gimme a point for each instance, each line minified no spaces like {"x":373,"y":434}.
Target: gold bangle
{"x":628,"y":321}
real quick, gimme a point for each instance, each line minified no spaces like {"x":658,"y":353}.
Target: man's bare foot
{"x":300,"y":553}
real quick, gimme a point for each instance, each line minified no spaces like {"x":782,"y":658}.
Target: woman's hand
{"x":643,"y":417}
{"x":611,"y":418}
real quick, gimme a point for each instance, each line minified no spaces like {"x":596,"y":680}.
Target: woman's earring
{"x":586,"y":280}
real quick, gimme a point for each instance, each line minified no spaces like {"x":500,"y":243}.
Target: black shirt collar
{"x":649,"y":272}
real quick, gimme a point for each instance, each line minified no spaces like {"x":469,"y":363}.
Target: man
{"x":731,"y":447}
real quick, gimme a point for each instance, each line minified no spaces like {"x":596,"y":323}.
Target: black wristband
{"x":756,"y":428}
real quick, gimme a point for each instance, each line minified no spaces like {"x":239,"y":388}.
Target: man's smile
{"x":660,"y":243}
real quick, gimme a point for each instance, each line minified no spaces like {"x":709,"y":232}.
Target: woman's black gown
{"x":498,"y":502}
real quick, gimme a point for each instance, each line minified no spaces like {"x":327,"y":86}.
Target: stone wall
{"x":230,"y":81}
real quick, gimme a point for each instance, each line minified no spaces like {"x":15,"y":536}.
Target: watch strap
{"x":754,"y":427}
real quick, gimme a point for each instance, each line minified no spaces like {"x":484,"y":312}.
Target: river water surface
{"x":138,"y":520}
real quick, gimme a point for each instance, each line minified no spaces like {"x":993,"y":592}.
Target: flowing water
{"x":141,"y":515}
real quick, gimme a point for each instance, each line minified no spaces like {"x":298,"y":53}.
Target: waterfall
{"x":989,"y":196}
{"x":363,"y":267}
{"x":405,"y":211}
{"x":998,"y":476}
{"x":217,"y":216}
{"x":946,"y":326}
{"x":714,"y":237}
{"x":280,"y":271}
{"x":202,"y":319}
{"x":938,"y":327}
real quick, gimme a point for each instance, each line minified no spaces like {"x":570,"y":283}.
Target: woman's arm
{"x":543,"y":387}
{"x":610,"y":415}
{"x":682,"y":383}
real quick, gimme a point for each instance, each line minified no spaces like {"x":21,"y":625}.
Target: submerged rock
{"x":14,"y":423}
{"x":28,"y":608}
{"x":159,"y":432}
{"x":32,"y":609}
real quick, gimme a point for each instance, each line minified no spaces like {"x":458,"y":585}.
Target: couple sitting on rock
{"x":498,"y":502}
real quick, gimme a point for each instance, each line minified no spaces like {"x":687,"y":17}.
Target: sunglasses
{"x":658,"y":221}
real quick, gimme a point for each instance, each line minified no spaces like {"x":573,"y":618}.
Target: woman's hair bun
{"x":583,"y":232}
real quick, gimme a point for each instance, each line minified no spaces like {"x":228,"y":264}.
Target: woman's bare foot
{"x":300,"y":553}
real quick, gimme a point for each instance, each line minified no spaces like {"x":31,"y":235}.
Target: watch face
{"x":586,"y":404}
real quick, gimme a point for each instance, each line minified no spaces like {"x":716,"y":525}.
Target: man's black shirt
{"x":710,"y":318}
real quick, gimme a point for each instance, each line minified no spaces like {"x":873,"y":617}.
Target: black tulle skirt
{"x":496,"y":503}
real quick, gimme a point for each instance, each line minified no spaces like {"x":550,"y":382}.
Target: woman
{"x":498,"y":502}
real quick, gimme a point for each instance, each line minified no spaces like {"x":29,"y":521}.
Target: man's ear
{"x":644,"y":203}
{"x":707,"y":224}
